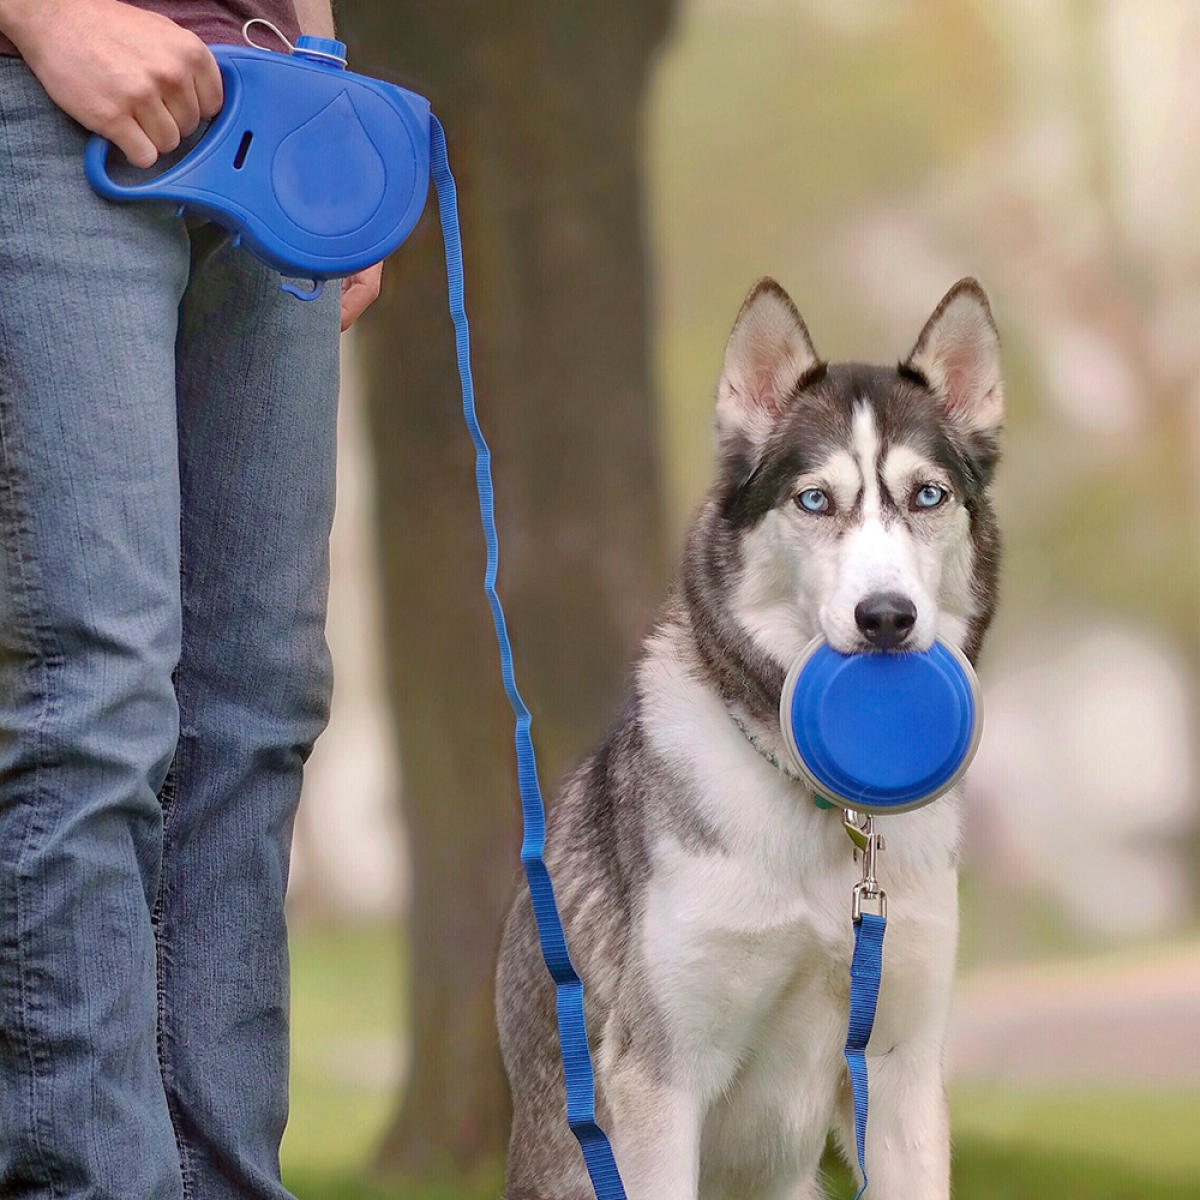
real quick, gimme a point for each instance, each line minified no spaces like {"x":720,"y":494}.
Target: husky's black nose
{"x":885,"y":619}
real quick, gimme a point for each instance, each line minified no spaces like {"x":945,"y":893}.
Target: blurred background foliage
{"x":867,"y":154}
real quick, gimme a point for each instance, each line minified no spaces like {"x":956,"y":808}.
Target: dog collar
{"x":782,"y":768}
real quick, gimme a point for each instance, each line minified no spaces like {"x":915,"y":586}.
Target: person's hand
{"x":359,"y":292}
{"x":136,"y":77}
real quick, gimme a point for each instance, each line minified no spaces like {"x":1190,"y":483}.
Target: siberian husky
{"x":706,"y":898}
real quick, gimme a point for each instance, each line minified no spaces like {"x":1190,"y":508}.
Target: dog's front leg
{"x":908,"y":1127}
{"x":655,"y":1133}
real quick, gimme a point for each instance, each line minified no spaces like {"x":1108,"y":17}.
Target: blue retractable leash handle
{"x":317,"y":170}
{"x":321,"y":172}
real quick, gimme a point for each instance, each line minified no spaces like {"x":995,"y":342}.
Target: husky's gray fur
{"x":705,"y":898}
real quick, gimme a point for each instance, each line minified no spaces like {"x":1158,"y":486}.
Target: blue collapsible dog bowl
{"x":881,"y":733}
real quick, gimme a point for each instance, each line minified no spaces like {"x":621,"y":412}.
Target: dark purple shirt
{"x":219,"y":20}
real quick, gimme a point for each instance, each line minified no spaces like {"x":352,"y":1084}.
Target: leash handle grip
{"x":95,"y":159}
{"x":318,"y":170}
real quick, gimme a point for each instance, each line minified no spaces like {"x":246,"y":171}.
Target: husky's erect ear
{"x":767,"y":357}
{"x":958,"y":355}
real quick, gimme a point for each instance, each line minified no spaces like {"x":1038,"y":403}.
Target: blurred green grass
{"x":347,"y":1008}
{"x":348,"y":1004}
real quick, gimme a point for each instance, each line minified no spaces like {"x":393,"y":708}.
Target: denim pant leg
{"x":89,"y":636}
{"x":257,"y":393}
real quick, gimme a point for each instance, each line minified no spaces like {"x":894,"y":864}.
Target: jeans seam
{"x":168,"y":1076}
{"x":46,"y":657}
{"x":167,"y":795}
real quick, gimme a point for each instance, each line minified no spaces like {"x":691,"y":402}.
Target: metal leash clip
{"x":860,"y":828}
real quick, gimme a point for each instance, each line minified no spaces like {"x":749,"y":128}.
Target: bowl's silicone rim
{"x":797,"y":763}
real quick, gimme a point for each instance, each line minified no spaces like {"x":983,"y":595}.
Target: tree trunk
{"x":542,"y":106}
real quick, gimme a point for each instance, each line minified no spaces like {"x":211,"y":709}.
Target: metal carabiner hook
{"x":861,"y":830}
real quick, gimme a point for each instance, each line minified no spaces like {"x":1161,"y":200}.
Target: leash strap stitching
{"x":572,"y":1027}
{"x":866,"y":969}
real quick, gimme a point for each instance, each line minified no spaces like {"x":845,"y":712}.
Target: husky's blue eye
{"x":813,"y":500}
{"x":930,"y":496}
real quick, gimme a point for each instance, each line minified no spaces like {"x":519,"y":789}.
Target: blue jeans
{"x":167,"y":437}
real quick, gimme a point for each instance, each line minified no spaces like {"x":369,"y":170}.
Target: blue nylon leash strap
{"x":572,"y":1029}
{"x":866,"y":969}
